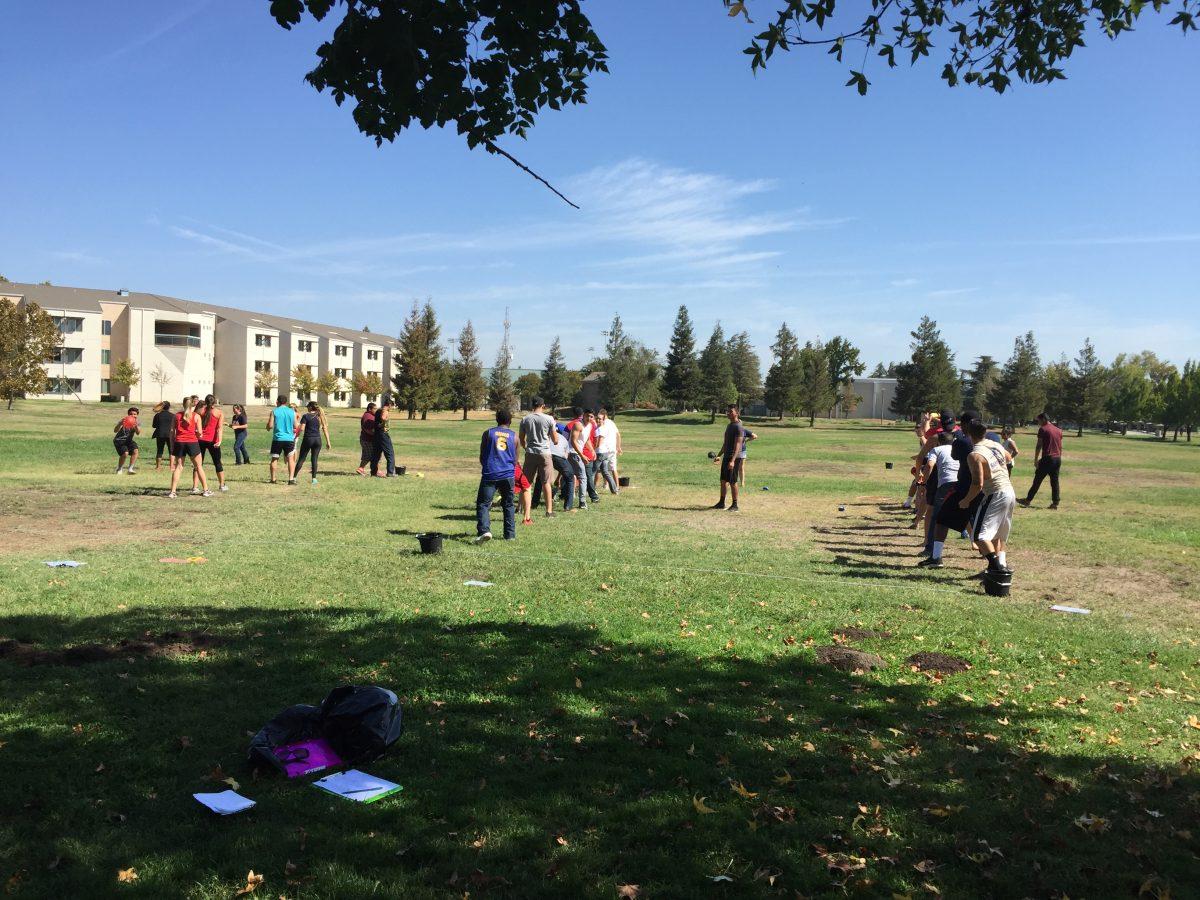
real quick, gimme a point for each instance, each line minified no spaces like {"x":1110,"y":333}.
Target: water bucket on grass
{"x":624,"y":480}
{"x":997,"y":584}
{"x":431,"y":542}
{"x":400,"y":470}
{"x":887,"y":465}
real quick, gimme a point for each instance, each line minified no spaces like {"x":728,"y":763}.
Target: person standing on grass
{"x":382,"y":447}
{"x":989,"y":478}
{"x":1007,"y":442}
{"x":563,"y":477}
{"x":282,"y":425}
{"x":608,"y":448}
{"x":497,"y":461}
{"x":313,"y":427}
{"x":124,"y":434}
{"x":1047,"y":460}
{"x":579,"y":450}
{"x":951,"y":516}
{"x":730,"y":459}
{"x":185,"y":442}
{"x":240,"y":426}
{"x":366,"y":439}
{"x":161,"y":425}
{"x":940,"y":470}
{"x":212,"y":425}
{"x":538,"y":435}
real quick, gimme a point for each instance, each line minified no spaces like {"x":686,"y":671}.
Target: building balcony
{"x":176,"y":334}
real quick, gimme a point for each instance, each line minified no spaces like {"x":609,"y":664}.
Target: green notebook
{"x":355,"y":785}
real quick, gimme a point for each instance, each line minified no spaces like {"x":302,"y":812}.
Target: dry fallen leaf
{"x":578,"y":683}
{"x":232,"y":782}
{"x":808,"y":747}
{"x":740,"y":789}
{"x":127,"y":875}
{"x":252,"y":883}
{"x":698,"y":802}
{"x":629,"y":891}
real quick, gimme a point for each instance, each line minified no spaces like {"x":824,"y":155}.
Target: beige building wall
{"x":179,"y":345}
{"x":338,"y":357}
{"x":78,"y":368}
{"x":298,"y":347}
{"x":368,"y":359}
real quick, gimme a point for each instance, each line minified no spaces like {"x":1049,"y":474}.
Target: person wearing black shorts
{"x":730,"y":457}
{"x":185,"y":443}
{"x":124,"y":442}
{"x":952,"y":517}
{"x":162,"y":423}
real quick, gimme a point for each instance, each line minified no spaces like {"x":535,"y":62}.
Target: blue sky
{"x":175,"y":148}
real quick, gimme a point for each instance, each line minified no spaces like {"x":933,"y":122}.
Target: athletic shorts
{"x":164,"y":444}
{"x":539,"y":463}
{"x":731,"y":475}
{"x":931,"y":490}
{"x":520,"y":482}
{"x":190,"y":449}
{"x":993,"y":519}
{"x":126,"y":446}
{"x":951,"y":515}
{"x":281,"y":448}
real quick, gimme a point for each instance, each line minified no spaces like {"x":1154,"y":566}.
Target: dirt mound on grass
{"x":942,"y":663}
{"x":846,"y":659}
{"x":852,"y":633}
{"x":169,"y":645}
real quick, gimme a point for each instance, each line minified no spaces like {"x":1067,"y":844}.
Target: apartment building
{"x":182,"y":347}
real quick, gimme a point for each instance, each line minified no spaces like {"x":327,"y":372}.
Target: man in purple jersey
{"x":497,"y":460}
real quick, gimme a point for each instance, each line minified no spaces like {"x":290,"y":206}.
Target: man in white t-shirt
{"x":989,"y":477}
{"x":608,"y":448}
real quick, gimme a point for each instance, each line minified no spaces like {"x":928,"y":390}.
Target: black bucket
{"x":624,"y":480}
{"x":997,"y":584}
{"x":887,"y":465}
{"x":400,"y":470}
{"x":431,"y":542}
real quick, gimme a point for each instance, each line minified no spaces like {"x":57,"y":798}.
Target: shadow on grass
{"x":540,"y":761}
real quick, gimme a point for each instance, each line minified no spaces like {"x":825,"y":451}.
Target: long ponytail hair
{"x":313,"y":406}
{"x":209,"y":402}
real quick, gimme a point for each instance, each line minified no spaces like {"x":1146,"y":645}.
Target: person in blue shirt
{"x":282,"y":425}
{"x":498,"y":461}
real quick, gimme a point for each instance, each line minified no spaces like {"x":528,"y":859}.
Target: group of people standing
{"x":962,"y":483}
{"x":563,"y":459}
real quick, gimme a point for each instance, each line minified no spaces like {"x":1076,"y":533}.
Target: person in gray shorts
{"x":537,"y":435}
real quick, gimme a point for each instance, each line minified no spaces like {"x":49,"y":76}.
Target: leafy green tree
{"x":265,"y":381}
{"x":304,"y":382}
{"x":555,"y":388}
{"x":979,"y":385}
{"x":1020,"y":390}
{"x":500,"y":391}
{"x":527,"y":386}
{"x":844,"y":366}
{"x":1056,"y":386}
{"x":716,"y":374}
{"x":681,"y":377}
{"x":630,"y":368}
{"x":126,"y":373}
{"x":467,"y":387}
{"x":814,"y":388}
{"x":329,"y":384}
{"x":1129,"y":389}
{"x":28,"y":338}
{"x":747,"y":371}
{"x":1088,"y":387}
{"x":782,"y":377}
{"x":929,"y":380}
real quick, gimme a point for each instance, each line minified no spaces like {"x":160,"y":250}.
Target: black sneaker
{"x":717,"y":506}
{"x":930,"y":563}
{"x":733,"y":508}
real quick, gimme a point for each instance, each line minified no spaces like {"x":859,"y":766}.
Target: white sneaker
{"x":484,"y":538}
{"x":195,"y":492}
{"x":132,"y":470}
{"x":171,"y":496}
{"x":206,"y":494}
{"x":119,"y":471}
{"x":224,"y":487}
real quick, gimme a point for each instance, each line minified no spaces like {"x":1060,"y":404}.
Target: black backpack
{"x":360,"y":723}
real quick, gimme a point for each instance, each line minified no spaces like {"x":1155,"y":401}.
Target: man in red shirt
{"x":1047,"y":460}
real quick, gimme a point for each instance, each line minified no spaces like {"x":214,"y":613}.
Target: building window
{"x":259,"y":393}
{"x":105,"y":326}
{"x":105,"y":357}
{"x":372,"y":354}
{"x":262,"y":365}
{"x":339,"y":396}
{"x":64,"y":385}
{"x":341,"y":373}
{"x":262,"y":340}
{"x":105,"y":387}
{"x":66,"y":355}
{"x":304,"y":346}
{"x":341,"y":350}
{"x":68,"y":324}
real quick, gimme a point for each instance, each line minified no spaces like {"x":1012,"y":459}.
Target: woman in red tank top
{"x":187,"y":443}
{"x":212,"y":424}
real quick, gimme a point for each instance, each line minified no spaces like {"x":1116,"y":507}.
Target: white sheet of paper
{"x":355,"y":785}
{"x":1072,"y":609}
{"x":477,"y":583}
{"x":225,"y":802}
{"x":64,"y":564}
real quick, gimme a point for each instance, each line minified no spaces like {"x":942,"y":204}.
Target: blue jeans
{"x":483,"y":506}
{"x":605,"y":463}
{"x":239,"y":447}
{"x":579,"y":470}
{"x":592,"y":468}
{"x":566,"y":481}
{"x":383,"y":448}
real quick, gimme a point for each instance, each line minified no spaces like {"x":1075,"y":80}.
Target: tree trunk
{"x":781,"y":415}
{"x":464,"y":412}
{"x":812,"y":420}
{"x":424,"y":414}
{"x":712,"y":417}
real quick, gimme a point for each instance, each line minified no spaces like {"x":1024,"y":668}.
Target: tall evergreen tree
{"x":501,"y":394}
{"x":1129,"y":389}
{"x":780,"y":387}
{"x":1088,"y":387}
{"x":929,"y":380}
{"x":1020,"y":390}
{"x":844,"y":366}
{"x":681,"y":377}
{"x":434,"y":388}
{"x":814,"y":388}
{"x":554,"y":377}
{"x":747,"y":371}
{"x":467,"y":386}
{"x":979,"y":385}
{"x":1056,"y":385}
{"x":716,"y":374}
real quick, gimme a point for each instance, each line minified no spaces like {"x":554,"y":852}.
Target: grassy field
{"x":637,"y":701}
